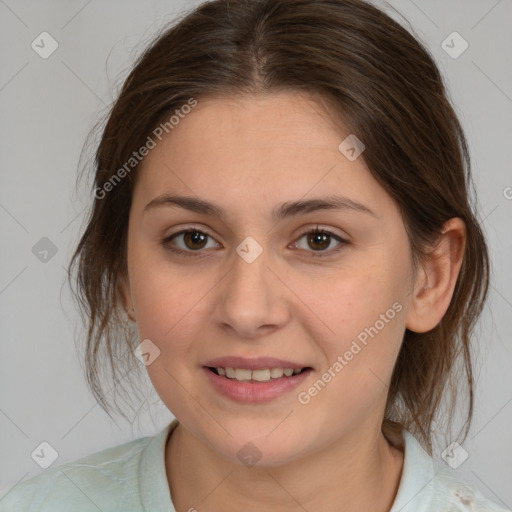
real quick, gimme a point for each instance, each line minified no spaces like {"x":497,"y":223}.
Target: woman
{"x":281,"y":209}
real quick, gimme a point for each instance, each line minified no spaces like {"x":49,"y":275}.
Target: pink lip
{"x":258,"y":363}
{"x":252,"y":391}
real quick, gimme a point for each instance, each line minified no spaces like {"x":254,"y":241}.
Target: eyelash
{"x":314,"y":254}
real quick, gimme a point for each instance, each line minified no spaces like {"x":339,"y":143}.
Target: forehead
{"x":270,"y":148}
{"x":238,"y":126}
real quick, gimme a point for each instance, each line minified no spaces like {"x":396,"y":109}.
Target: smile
{"x":263,"y":375}
{"x":255,"y":386}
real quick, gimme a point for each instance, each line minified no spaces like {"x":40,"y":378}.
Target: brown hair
{"x":385,"y":87}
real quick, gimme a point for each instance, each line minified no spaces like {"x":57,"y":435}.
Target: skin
{"x":247,"y":155}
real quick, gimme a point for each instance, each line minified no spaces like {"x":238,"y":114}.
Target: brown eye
{"x":319,"y":240}
{"x":188,"y":241}
{"x":195,"y":239}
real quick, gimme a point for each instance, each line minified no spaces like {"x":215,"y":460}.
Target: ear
{"x":436,"y":280}
{"x":124,"y":293}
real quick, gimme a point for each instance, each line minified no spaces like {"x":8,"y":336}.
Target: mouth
{"x":255,"y":381}
{"x":259,"y":375}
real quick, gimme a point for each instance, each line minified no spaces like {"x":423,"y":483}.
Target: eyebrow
{"x":282,"y":211}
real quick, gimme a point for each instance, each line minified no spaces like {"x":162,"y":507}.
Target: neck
{"x":359,"y":472}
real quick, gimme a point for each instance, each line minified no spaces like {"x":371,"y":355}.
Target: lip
{"x":257,"y":363}
{"x":252,"y":392}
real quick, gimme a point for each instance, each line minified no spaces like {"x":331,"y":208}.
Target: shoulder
{"x":459,"y":494}
{"x":101,"y":481}
{"x":428,"y":485}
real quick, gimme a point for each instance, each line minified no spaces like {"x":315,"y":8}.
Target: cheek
{"x":353,"y":300}
{"x":168,"y":295}
{"x":170,"y":302}
{"x":366,"y":315}
{"x":364,"y":311}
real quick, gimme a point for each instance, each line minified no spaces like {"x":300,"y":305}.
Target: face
{"x":253,"y":287}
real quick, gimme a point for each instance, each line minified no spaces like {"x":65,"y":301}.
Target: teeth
{"x":260,"y":375}
{"x":264,"y":375}
{"x":276,"y":373}
{"x":243,"y":374}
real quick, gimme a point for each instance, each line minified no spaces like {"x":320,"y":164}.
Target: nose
{"x":252,"y":299}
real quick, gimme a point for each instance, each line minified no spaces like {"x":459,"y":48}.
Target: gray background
{"x":47,"y":108}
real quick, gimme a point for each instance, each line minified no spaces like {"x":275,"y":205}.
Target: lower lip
{"x":254,"y":392}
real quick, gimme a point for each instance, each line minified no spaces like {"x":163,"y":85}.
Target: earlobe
{"x":436,"y":280}
{"x":124,"y":294}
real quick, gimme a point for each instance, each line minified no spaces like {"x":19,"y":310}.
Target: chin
{"x":250,"y":448}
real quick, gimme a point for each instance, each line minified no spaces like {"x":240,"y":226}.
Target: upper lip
{"x":257,"y":363}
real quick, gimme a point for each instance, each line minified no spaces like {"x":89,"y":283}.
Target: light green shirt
{"x":132,"y":478}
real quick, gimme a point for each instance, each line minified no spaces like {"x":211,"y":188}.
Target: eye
{"x":192,"y":241}
{"x":321,"y":239}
